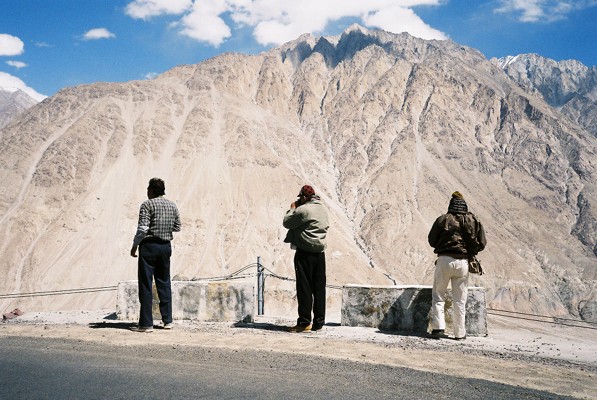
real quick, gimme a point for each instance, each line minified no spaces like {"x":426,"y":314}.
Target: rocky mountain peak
{"x":567,"y":85}
{"x":12,"y":103}
{"x":354,"y":39}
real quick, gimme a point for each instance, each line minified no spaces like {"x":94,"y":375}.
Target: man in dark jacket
{"x":307,"y":224}
{"x":455,"y":237}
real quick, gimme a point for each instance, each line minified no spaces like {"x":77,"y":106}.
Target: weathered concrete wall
{"x":194,"y":300}
{"x":281,"y":302}
{"x":389,"y":308}
{"x":407,"y":308}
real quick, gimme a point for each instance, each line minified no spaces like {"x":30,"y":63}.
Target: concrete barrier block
{"x":127,"y":300}
{"x":281,"y":302}
{"x":476,"y":312}
{"x":194,"y":300}
{"x":229,"y":302}
{"x":406,"y":308}
{"x":187,"y":299}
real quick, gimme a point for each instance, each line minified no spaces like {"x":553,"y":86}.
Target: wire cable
{"x":555,"y":320}
{"x":284,"y":278}
{"x":58,"y":292}
{"x":541,"y":316}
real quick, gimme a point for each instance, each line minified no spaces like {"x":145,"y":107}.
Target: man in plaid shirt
{"x":158,"y":218}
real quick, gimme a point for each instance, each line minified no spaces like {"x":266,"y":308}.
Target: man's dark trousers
{"x":154,"y":262}
{"x":310,"y":287}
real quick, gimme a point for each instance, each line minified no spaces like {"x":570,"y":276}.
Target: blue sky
{"x":46,"y":45}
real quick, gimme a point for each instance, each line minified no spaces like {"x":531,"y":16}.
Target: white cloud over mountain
{"x":8,"y":81}
{"x":212,"y":21}
{"x":277,"y":22}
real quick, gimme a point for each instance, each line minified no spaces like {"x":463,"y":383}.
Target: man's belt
{"x":154,"y":239}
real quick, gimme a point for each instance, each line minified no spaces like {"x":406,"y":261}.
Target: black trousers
{"x":154,"y":263}
{"x":310,"y":287}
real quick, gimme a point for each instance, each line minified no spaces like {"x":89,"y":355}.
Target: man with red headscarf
{"x":307,"y":224}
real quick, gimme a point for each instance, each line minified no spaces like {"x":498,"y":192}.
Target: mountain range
{"x":384,"y":126}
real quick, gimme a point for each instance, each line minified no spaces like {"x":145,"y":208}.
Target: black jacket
{"x":457,"y":234}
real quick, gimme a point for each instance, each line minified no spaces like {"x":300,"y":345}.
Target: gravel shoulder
{"x":545,"y":356}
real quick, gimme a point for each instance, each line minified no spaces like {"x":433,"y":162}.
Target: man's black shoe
{"x":437,"y":334}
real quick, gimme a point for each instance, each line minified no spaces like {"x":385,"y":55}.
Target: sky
{"x":46,"y":45}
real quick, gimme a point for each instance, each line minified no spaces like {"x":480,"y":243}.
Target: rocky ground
{"x":557,"y":358}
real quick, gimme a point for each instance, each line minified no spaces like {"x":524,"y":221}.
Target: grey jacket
{"x":307,"y":226}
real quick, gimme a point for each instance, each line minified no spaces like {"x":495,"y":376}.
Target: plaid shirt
{"x":158,"y":217}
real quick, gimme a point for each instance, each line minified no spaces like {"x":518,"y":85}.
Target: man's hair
{"x":157,"y":186}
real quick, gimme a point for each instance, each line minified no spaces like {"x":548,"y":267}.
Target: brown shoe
{"x":299,"y":328}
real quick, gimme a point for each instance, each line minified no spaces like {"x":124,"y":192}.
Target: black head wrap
{"x":457,"y":204}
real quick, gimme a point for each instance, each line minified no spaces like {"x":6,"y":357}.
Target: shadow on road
{"x":403,"y":333}
{"x":112,"y":325}
{"x":269,"y":326}
{"x":261,"y":325}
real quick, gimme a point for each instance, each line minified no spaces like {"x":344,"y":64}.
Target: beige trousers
{"x":454,"y":271}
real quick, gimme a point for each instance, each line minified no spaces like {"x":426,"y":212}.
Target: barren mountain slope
{"x":384,"y":126}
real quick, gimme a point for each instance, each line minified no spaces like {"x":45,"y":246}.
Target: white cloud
{"x":204,"y":24}
{"x":9,"y":82}
{"x":278,"y":21}
{"x":400,"y":19}
{"x":98,"y":33}
{"x":151,"y":75}
{"x":542,"y":10}
{"x":16,"y":64}
{"x":145,"y":9}
{"x":11,"y":45}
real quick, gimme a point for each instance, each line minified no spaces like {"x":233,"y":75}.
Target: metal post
{"x":260,"y":284}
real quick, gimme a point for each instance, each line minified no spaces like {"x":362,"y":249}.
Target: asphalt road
{"x":43,"y":368}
